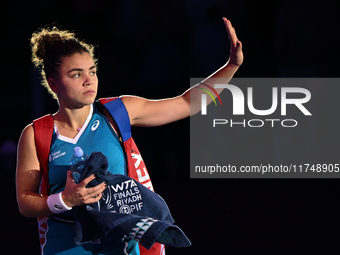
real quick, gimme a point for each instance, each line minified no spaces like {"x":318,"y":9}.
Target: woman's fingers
{"x":236,"y":54}
{"x":231,"y":32}
{"x":87,"y":180}
{"x":93,"y":194}
{"x":78,"y":194}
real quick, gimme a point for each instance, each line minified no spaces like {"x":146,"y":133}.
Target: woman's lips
{"x":89,"y":92}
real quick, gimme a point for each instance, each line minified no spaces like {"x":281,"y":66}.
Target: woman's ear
{"x":53,"y":85}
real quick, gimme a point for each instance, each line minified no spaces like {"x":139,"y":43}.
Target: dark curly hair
{"x":49,"y":46}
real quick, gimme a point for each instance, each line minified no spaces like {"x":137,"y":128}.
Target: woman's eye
{"x":77,"y":75}
{"x":93,"y":73}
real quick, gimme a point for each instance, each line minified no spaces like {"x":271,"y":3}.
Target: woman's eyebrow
{"x":80,"y":69}
{"x":76,"y":69}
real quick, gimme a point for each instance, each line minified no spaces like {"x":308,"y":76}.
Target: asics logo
{"x":95,"y":125}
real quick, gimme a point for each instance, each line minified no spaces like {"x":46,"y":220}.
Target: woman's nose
{"x":88,"y":80}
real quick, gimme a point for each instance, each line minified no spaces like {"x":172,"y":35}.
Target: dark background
{"x":152,"y":48}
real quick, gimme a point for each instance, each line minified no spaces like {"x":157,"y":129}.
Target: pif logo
{"x":238,"y":99}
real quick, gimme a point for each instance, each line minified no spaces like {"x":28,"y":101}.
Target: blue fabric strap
{"x":119,"y":113}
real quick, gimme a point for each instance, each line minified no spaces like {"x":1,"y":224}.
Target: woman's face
{"x":77,"y":83}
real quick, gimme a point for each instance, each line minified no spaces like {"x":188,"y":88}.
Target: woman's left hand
{"x":236,"y":54}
